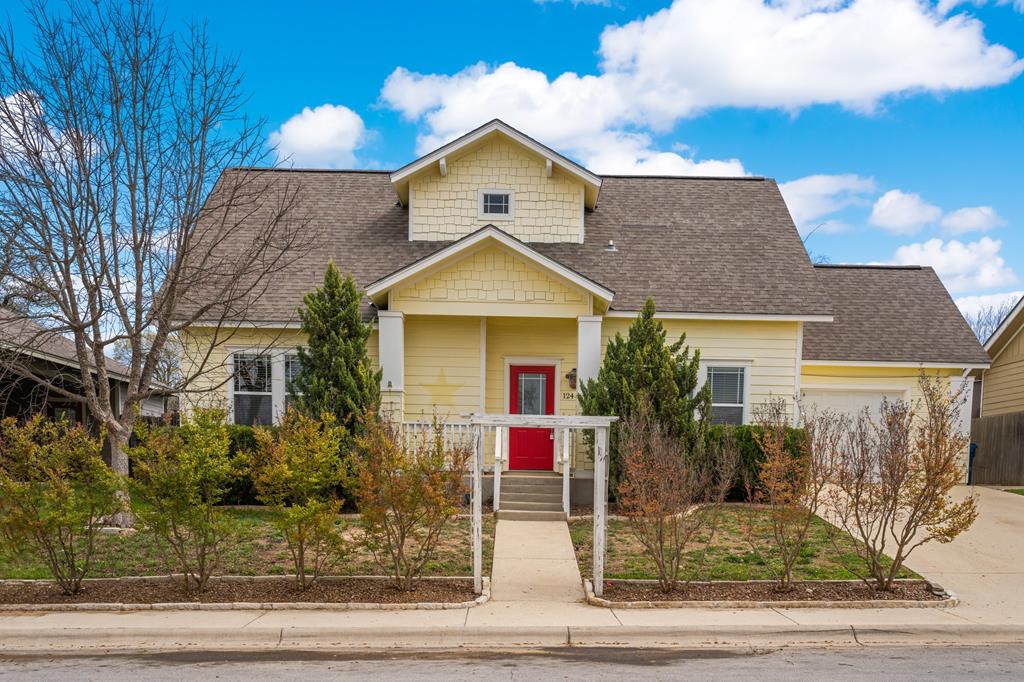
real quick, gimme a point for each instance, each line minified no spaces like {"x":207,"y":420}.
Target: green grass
{"x":256,"y":549}
{"x":729,"y":557}
{"x":1015,"y":491}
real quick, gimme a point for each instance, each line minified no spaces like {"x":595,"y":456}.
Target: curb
{"x":247,"y":606}
{"x":950,"y":601}
{"x":380,"y":638}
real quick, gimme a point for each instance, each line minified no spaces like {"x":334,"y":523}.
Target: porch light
{"x":571,"y":378}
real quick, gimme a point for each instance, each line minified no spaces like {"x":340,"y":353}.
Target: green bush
{"x":181,"y":477}
{"x":242,"y":439}
{"x":55,"y":493}
{"x":749,"y":455}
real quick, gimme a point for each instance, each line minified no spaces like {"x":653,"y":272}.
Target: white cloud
{"x":698,"y":55}
{"x":972,"y":219}
{"x":322,"y":137}
{"x":902,"y":212}
{"x":816,"y":196}
{"x":972,"y":305}
{"x":946,"y":6}
{"x":971,"y":266}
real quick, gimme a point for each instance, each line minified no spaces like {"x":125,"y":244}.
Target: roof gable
{"x":469,"y":245}
{"x":1006,"y":331}
{"x":448,"y":152}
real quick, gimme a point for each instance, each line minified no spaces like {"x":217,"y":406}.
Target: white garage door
{"x":848,"y":402}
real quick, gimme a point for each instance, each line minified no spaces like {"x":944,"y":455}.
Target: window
{"x":253,"y":399}
{"x":292,"y":366}
{"x":496,"y":204}
{"x":727,"y":388}
{"x":533,"y":393}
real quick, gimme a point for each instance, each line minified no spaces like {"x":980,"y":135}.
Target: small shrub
{"x":407,"y":494}
{"x":296,"y":471}
{"x":181,"y":476}
{"x":241,"y":489}
{"x":792,"y":486}
{"x":894,"y":477}
{"x":55,"y":493}
{"x":749,"y":454}
{"x":670,"y":497}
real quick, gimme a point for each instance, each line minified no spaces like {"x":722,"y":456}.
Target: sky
{"x":895,"y":128}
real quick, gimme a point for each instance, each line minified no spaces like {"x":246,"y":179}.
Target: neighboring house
{"x":1002,"y":384}
{"x":496,"y":270}
{"x":36,"y":362}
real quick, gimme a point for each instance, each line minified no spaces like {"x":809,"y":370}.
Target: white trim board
{"x":478,"y":237}
{"x":744,"y":317}
{"x":868,"y":363}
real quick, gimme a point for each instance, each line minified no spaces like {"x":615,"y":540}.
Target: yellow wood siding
{"x":442,"y":367}
{"x":1003,"y":382}
{"x":546,"y":209}
{"x":211,"y":386}
{"x":770,"y":347}
{"x":493,"y":281}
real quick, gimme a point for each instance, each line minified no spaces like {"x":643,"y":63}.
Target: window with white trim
{"x":292,"y":366}
{"x":498,"y":204}
{"x":253,"y":400}
{"x":728,"y":397}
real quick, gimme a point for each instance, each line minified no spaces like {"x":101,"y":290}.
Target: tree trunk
{"x":119,"y":463}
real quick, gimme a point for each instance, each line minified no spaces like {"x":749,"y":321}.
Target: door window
{"x":533,"y":393}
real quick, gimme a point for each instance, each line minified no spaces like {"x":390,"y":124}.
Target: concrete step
{"x":519,"y":515}
{"x":530,"y":506}
{"x":553,"y":497}
{"x":530,"y":484}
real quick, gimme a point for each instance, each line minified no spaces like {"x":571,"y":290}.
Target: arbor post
{"x":478,"y":466}
{"x":600,"y":505}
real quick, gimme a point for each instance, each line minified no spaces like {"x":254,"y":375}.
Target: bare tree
{"x":671,"y":498}
{"x":121,"y":225}
{"x":984,"y":321}
{"x":893,"y":480}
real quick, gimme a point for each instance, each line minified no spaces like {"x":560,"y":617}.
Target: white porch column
{"x":588,"y":348}
{"x":391,"y":336}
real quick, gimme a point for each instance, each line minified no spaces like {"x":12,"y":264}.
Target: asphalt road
{"x":875,"y":663}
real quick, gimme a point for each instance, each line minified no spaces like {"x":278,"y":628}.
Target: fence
{"x":999,"y":459}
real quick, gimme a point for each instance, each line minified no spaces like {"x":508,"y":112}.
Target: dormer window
{"x":496,"y":204}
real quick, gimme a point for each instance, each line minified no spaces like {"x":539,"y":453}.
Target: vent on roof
{"x":611,"y":246}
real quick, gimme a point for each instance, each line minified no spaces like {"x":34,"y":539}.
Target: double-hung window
{"x":253,"y":396}
{"x":728,"y":394}
{"x":291,"y":372}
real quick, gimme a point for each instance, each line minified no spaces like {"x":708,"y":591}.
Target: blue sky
{"x":896,"y":126}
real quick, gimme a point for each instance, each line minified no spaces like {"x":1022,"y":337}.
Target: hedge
{"x":750,"y":454}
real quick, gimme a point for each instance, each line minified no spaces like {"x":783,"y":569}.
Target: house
{"x":38,"y":367}
{"x":496,"y":270}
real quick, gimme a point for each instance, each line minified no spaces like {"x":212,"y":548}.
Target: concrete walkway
{"x":535,"y":602}
{"x":534,"y":561}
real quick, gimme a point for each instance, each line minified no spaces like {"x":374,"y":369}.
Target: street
{"x":878,"y":663}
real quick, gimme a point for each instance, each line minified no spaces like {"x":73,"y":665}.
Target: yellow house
{"x":496,"y":270}
{"x":1002,"y":384}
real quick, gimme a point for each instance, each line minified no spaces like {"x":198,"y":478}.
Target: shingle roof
{"x":704,"y":245}
{"x":21,"y":335}
{"x":890,"y":314}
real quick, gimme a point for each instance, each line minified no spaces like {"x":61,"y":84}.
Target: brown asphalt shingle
{"x":707,"y":245}
{"x":890,"y":314}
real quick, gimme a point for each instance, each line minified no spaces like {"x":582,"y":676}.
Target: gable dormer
{"x":496,"y":175}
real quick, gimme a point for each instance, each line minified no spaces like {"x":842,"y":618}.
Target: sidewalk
{"x":981,"y":567}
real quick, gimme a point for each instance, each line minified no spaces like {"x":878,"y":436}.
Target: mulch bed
{"x":757,"y":591}
{"x":332,"y":591}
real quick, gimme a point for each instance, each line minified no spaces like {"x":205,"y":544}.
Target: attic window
{"x":496,"y":204}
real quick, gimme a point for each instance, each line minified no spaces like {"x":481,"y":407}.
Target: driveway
{"x":983,"y":566}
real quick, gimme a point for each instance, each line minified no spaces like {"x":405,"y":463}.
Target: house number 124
{"x":568,"y":395}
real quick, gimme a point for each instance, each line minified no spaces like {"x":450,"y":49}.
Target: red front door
{"x":531,"y":391}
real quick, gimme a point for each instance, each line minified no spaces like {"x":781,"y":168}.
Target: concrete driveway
{"x":985,"y":565}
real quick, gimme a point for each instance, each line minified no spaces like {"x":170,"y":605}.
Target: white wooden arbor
{"x":566,"y":423}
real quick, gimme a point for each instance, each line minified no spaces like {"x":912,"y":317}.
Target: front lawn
{"x":728,"y":558}
{"x":258,"y":549}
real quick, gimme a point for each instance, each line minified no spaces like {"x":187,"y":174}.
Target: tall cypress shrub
{"x":336,"y":374}
{"x":644,"y":366}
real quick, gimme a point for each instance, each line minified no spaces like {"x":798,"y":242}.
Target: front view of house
{"x":496,"y":270}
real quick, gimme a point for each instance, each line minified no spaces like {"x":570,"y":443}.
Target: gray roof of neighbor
{"x":890,"y":314}
{"x":23,"y":336}
{"x":703,"y":245}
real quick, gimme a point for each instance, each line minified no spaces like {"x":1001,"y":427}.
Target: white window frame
{"x":277,"y":378}
{"x":496,"y":216}
{"x":287,"y":357}
{"x":745,"y":365}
